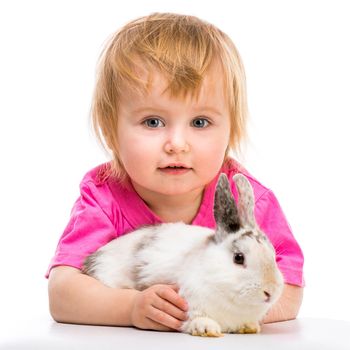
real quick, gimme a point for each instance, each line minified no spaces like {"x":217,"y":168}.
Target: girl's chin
{"x":173,"y":190}
{"x":170,"y":188}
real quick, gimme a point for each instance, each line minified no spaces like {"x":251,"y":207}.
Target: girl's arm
{"x":77,"y":298}
{"x":287,"y":307}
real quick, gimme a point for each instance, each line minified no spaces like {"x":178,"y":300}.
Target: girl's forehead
{"x":157,"y":87}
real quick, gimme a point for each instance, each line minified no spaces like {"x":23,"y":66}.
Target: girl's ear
{"x":225,"y":209}
{"x":246,"y":201}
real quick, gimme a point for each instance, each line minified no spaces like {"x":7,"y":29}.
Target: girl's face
{"x":173,"y":146}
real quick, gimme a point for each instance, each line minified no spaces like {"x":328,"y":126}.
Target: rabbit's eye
{"x":238,"y":258}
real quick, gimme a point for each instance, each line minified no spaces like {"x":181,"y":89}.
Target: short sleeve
{"x":89,"y":228}
{"x":272,"y":221}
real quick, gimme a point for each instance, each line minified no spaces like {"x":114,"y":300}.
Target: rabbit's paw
{"x":249,"y":328}
{"x":204,"y":327}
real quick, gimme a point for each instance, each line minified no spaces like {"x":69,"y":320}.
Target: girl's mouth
{"x":175,"y":169}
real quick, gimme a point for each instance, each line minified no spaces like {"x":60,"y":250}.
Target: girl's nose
{"x":176,"y":143}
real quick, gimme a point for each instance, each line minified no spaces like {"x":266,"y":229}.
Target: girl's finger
{"x":170,"y":309}
{"x":164,"y":319}
{"x":172,"y":297}
{"x":151,"y":324}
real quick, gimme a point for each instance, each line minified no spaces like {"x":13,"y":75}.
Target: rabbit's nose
{"x":268,"y":296}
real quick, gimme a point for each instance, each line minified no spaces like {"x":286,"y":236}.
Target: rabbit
{"x":228,"y":276}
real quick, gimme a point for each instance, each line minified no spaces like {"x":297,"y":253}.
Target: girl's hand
{"x":159,"y":307}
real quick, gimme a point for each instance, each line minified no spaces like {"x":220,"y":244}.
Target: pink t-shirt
{"x":106,"y":210}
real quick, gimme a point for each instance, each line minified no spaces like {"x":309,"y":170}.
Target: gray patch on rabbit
{"x":139,"y":265}
{"x":225,"y":209}
{"x":148,"y":240}
{"x":254,"y":235}
{"x":246,"y":200}
{"x":258,"y":236}
{"x":89,"y":265}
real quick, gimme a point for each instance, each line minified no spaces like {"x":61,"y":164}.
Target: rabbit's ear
{"x":225,"y":210}
{"x":246,"y":200}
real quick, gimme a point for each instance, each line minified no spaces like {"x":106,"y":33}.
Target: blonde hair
{"x":180,"y":47}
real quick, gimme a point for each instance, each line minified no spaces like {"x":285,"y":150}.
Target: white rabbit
{"x":228,"y":276}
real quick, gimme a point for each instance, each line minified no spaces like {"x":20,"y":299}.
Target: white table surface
{"x":44,"y":333}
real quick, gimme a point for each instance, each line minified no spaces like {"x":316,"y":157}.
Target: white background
{"x":296,"y":55}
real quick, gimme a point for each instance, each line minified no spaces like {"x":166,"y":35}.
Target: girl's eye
{"x":200,"y":123}
{"x":154,"y":123}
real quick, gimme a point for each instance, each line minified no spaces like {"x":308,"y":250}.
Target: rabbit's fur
{"x":224,"y":292}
